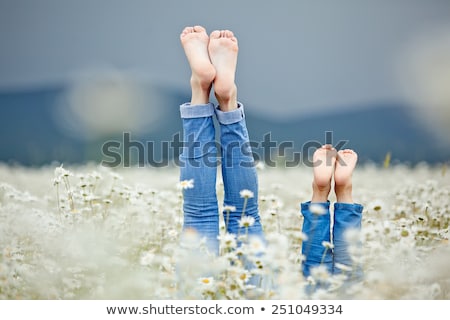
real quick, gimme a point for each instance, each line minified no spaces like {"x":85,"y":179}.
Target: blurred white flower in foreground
{"x":317,"y":209}
{"x":228,"y":240}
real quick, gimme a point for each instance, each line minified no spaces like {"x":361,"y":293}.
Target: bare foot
{"x":324,"y":161}
{"x":223,"y":51}
{"x":195,"y":44}
{"x":345,"y":164}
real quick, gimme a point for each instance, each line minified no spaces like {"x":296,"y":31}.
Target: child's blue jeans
{"x":317,"y":226}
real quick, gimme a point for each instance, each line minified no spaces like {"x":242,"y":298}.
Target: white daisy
{"x":327,"y":244}
{"x":246,"y":222}
{"x":206,"y":281}
{"x":186,"y":184}
{"x":246,"y":194}
{"x":229,"y":208}
{"x":228,"y":240}
{"x":61,"y":172}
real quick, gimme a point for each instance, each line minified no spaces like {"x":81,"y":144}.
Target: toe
{"x":229,"y":34}
{"x":215,"y":34}
{"x":198,"y":29}
{"x":185,"y":31}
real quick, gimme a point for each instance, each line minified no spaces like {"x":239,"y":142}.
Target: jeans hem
{"x":230,"y":117}
{"x":188,"y":111}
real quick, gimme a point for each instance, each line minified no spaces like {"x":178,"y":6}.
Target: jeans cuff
{"x":356,"y":207}
{"x":320,"y":210}
{"x":230,"y":117}
{"x":196,"y":111}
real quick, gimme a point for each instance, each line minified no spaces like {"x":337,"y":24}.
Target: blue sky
{"x":295,"y":56}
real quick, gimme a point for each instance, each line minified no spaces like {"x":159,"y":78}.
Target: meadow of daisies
{"x":90,"y":232}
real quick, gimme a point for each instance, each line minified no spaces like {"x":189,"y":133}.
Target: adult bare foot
{"x":324,"y":160}
{"x":195,"y":44}
{"x":223,"y":51}
{"x":345,"y":164}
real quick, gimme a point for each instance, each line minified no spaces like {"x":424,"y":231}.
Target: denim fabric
{"x":188,"y":111}
{"x":238,"y":170}
{"x":346,"y":217}
{"x":318,"y":229}
{"x":198,"y":161}
{"x":231,"y":117}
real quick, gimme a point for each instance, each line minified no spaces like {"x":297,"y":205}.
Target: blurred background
{"x":76,"y":74}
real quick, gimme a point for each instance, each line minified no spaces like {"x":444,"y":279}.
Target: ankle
{"x":200,"y":90}
{"x":344,"y":193}
{"x":226,"y":97}
{"x":228,"y":105}
{"x":320,"y":193}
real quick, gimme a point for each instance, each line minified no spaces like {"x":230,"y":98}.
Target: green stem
{"x":244,"y":207}
{"x":324,"y":255}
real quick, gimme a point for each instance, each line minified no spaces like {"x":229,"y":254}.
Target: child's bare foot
{"x":345,"y":164}
{"x":324,"y":160}
{"x":223,"y":51}
{"x":195,"y":43}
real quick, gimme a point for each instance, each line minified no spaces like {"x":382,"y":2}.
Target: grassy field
{"x":88,"y":232}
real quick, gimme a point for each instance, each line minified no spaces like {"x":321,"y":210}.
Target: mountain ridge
{"x":31,"y":136}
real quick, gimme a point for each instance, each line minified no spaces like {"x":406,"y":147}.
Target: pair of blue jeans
{"x":199,"y":160}
{"x":317,"y":227}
